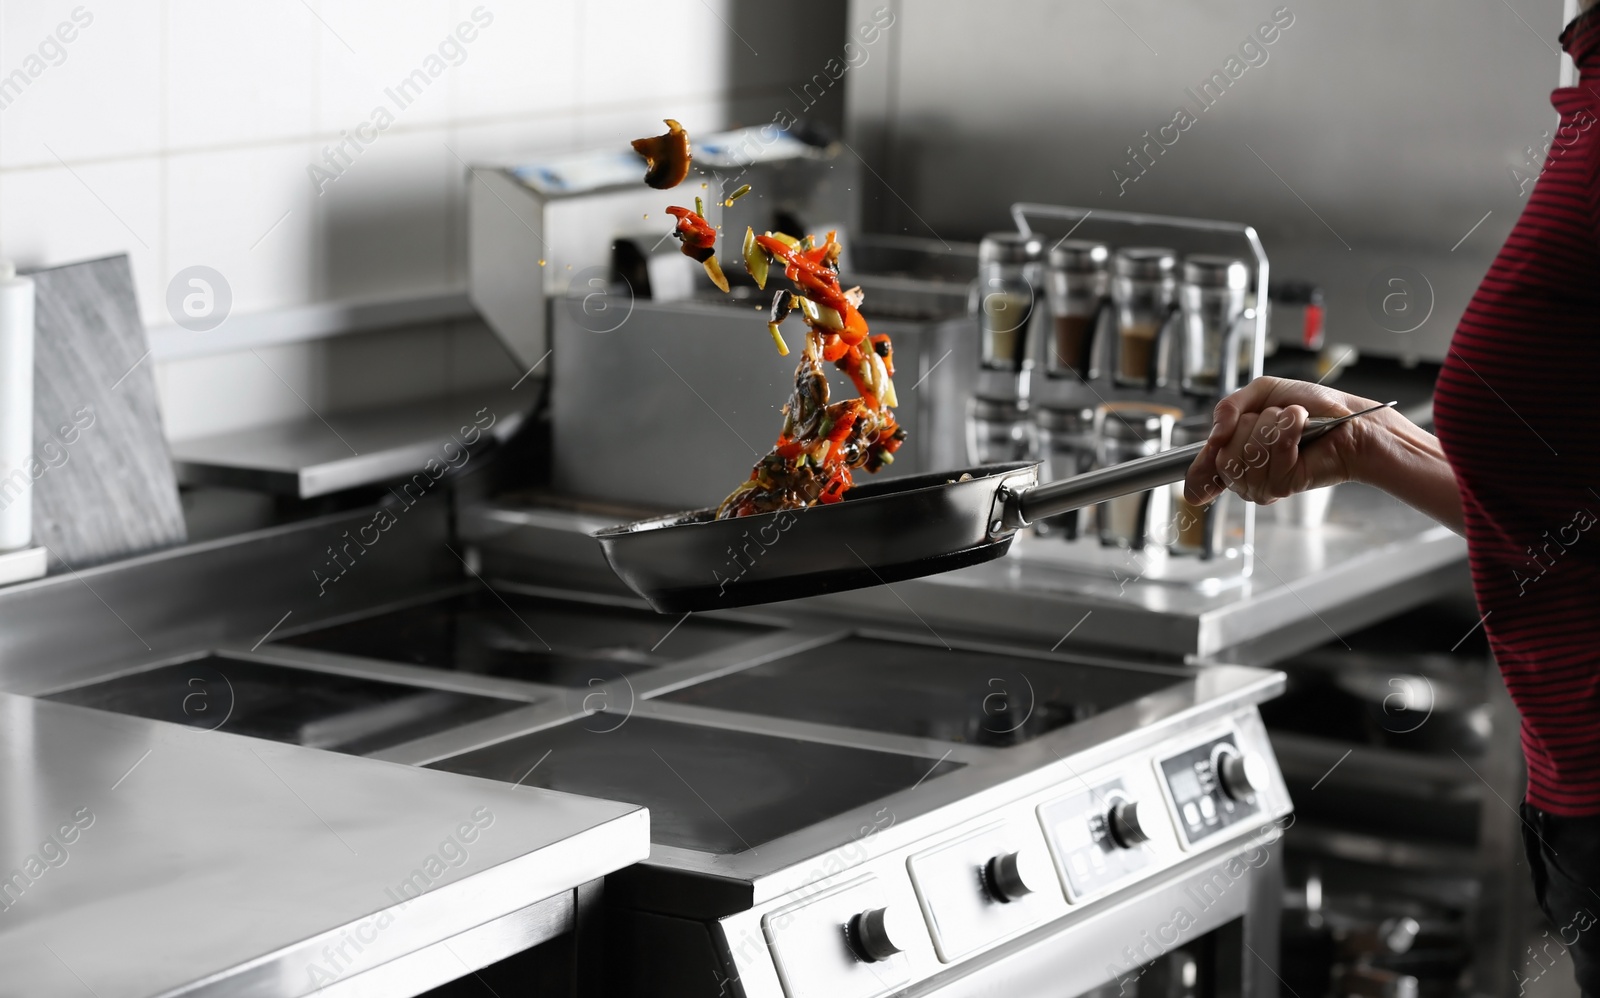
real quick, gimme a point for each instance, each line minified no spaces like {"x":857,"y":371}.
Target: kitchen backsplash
{"x":315,"y":151}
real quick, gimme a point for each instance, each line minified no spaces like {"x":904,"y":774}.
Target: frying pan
{"x":882,"y":532}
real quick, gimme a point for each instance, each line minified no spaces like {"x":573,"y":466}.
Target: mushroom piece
{"x":666,"y":156}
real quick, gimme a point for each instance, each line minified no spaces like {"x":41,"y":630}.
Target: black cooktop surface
{"x":708,"y":789}
{"x":286,"y":704}
{"x":930,"y":691}
{"x":531,"y":638}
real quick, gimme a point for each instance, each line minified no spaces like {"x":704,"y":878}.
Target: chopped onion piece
{"x":755,"y":258}
{"x":882,"y":386}
{"x":714,"y":271}
{"x":821,"y":315}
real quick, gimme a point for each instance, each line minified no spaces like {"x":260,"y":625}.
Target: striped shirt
{"x":1514,"y":414}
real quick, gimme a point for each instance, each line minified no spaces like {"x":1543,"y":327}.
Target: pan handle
{"x":1020,"y":508}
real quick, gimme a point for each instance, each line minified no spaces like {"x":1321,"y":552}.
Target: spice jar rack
{"x":1128,"y":347}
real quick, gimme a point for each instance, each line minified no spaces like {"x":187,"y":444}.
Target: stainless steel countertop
{"x":1374,"y":557}
{"x":203,"y":863}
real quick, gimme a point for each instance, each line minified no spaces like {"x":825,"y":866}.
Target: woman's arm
{"x":1254,"y":450}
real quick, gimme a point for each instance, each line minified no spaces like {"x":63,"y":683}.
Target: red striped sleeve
{"x":1513,"y":410}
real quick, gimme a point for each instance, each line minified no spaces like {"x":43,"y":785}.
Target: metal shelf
{"x":313,"y":457}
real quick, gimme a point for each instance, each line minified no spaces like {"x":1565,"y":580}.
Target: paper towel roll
{"x":16,"y":409}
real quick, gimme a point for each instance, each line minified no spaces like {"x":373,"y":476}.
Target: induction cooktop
{"x":708,"y":789}
{"x":993,"y":698}
{"x":287,"y":704}
{"x":530,"y":638}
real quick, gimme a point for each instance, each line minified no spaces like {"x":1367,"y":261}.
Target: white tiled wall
{"x":180,"y":132}
{"x":224,"y":392}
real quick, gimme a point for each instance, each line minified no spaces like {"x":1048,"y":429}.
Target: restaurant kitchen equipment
{"x":712,"y":348}
{"x":696,"y":367}
{"x":606,"y":337}
{"x":537,"y":229}
{"x":208,"y":864}
{"x":616,"y":311}
{"x":836,"y":805}
{"x":882,"y":532}
{"x":835,"y":809}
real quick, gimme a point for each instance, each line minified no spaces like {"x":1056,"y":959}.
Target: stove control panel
{"x":1013,"y":876}
{"x":983,"y":887}
{"x":1212,"y":787}
{"x":877,"y":934}
{"x":1085,"y":839}
{"x":848,"y":942}
{"x":1099,"y":837}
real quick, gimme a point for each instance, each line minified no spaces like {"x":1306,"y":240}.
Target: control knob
{"x":1241,"y":775}
{"x":1013,"y":876}
{"x":1123,"y":821}
{"x":875,"y":935}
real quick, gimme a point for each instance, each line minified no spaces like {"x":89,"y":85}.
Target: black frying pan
{"x":882,"y":532}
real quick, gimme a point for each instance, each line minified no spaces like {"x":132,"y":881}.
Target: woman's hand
{"x":1254,"y":450}
{"x":1255,"y":439}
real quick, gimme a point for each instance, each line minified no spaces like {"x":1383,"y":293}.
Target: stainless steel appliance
{"x":834,"y":809}
{"x":866,"y":812}
{"x":572,"y":260}
{"x":683,"y":397}
{"x":539,"y":229}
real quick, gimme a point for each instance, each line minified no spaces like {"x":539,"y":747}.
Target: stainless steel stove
{"x":517,"y":635}
{"x":834,"y":811}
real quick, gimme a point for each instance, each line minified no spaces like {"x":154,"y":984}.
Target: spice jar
{"x":1213,"y":299}
{"x":1078,"y":281}
{"x":1196,"y":530}
{"x":1129,"y":430}
{"x":1009,"y":265}
{"x":1144,"y":290}
{"x":1067,"y":447}
{"x":999,"y":430}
